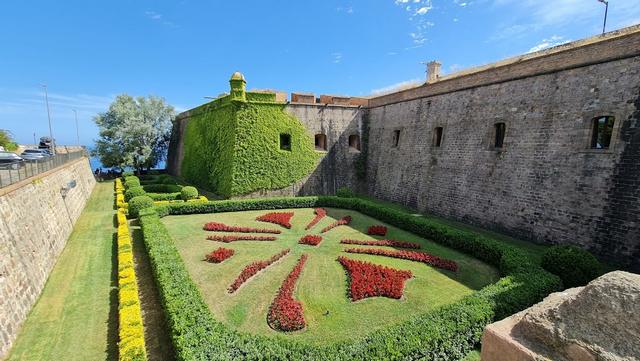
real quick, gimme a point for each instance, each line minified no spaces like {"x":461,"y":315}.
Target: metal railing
{"x":15,"y":172}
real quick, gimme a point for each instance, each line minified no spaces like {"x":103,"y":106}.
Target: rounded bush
{"x":127,"y":174}
{"x":574,"y":266}
{"x":189,"y":193}
{"x":134,"y":191}
{"x":345,"y":192}
{"x":138,"y":203}
{"x":131,"y":181}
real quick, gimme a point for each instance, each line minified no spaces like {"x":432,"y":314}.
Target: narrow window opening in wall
{"x":321,"y":142}
{"x":354,"y":141}
{"x":500,"y":129}
{"x":396,"y":138}
{"x":602,"y":130}
{"x":285,"y":141}
{"x":437,"y":137}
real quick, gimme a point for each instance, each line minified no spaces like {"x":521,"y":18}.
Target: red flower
{"x":311,"y":240}
{"x":320,"y":213}
{"x":377,"y":230}
{"x":229,"y":239}
{"x":219,"y":255}
{"x":382,"y":242}
{"x":371,"y":280}
{"x":221,"y":227}
{"x":251,"y":269}
{"x":409,"y":255}
{"x":343,"y":221}
{"x":285,"y":312}
{"x":281,"y":218}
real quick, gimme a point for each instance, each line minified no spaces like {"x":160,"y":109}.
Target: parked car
{"x":10,"y":160}
{"x":35,"y":154}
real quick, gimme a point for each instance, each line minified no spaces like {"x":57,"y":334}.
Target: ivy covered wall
{"x":232,"y":144}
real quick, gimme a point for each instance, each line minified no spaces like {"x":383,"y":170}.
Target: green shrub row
{"x":164,"y":196}
{"x":446,"y":333}
{"x":162,"y":188}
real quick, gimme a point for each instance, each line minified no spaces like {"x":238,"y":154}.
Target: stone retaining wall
{"x":35,"y":222}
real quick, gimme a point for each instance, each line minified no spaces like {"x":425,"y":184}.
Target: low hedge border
{"x":131,"y":345}
{"x":447,"y":333}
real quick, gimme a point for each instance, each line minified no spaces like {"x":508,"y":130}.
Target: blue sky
{"x":88,"y":51}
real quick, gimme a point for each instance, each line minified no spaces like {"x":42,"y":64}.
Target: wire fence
{"x":15,"y":172}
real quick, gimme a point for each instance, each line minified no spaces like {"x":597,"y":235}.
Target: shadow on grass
{"x":156,"y":334}
{"x":112,"y":323}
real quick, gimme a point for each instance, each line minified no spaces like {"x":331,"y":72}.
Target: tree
{"x":134,"y":132}
{"x":6,"y":140}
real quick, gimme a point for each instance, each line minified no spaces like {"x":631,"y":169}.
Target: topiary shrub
{"x":133,"y":192}
{"x":188,"y":193}
{"x":127,"y":174}
{"x":162,"y":188}
{"x":131,"y":181}
{"x":574,"y":266}
{"x":138,"y":203}
{"x":345,"y":192}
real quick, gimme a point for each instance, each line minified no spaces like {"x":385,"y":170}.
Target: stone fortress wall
{"x":35,"y":222}
{"x":545,"y":183}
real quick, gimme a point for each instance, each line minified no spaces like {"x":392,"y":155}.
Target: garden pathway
{"x":76,"y":315}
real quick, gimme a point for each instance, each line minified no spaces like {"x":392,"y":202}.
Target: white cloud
{"x":392,"y":53}
{"x":396,"y":87}
{"x":535,"y":15}
{"x":159,"y":18}
{"x":417,"y":11}
{"x":554,"y":40}
{"x":337,"y":57}
{"x":346,"y":9}
{"x":423,"y":10}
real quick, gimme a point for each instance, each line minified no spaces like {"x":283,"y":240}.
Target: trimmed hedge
{"x":132,"y":192}
{"x":164,"y":196}
{"x":446,"y":333}
{"x":188,"y":193}
{"x":131,"y":345}
{"x":138,"y":203}
{"x":131,"y":181}
{"x":575,"y":266}
{"x":162,"y":188}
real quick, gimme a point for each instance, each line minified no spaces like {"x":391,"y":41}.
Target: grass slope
{"x":74,"y":318}
{"x":322,"y":287}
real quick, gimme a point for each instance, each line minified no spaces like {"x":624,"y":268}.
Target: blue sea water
{"x":95,"y":163}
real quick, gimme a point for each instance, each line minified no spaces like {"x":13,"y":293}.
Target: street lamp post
{"x":77,"y":129}
{"x":46,"y":100}
{"x":606,"y":9}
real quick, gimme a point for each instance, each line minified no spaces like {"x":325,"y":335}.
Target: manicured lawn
{"x":322,"y":286}
{"x":76,"y":315}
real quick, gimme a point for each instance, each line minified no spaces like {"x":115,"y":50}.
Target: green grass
{"x":73,"y":318}
{"x":322,"y":287}
{"x":532,"y":249}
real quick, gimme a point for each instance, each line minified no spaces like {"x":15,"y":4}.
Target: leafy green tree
{"x":134,"y":132}
{"x":6,"y":140}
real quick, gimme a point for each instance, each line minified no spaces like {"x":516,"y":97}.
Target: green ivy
{"x":233,"y":147}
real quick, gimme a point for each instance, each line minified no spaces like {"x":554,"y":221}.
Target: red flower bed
{"x":377,"y":230}
{"x":382,"y":242}
{"x":343,"y":221}
{"x":311,"y":240}
{"x":221,"y":227}
{"x":285,"y":312}
{"x":252,"y":268}
{"x":229,"y":239}
{"x":281,"y":218}
{"x":219,"y":255}
{"x":409,"y":255}
{"x":371,"y":280}
{"x":320,"y":213}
